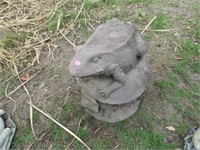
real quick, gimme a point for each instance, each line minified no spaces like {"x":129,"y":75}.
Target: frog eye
{"x":95,"y":58}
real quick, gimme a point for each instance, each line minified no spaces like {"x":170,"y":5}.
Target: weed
{"x":58,"y":146}
{"x":7,"y":55}
{"x":141,"y":14}
{"x":36,"y":116}
{"x":144,"y":2}
{"x":91,"y":3}
{"x":101,"y":143}
{"x":171,"y":120}
{"x":181,"y":92}
{"x":134,"y":138}
{"x":142,"y":139}
{"x":197,"y":33}
{"x":190,"y":54}
{"x":160,"y":22}
{"x":59,"y":137}
{"x":82,"y":134}
{"x":14,"y":82}
{"x":70,"y":110}
{"x":113,"y":2}
{"x":109,"y":15}
{"x":181,"y":129}
{"x":164,"y":87}
{"x":58,"y":134}
{"x":23,"y":35}
{"x":59,"y":19}
{"x":25,"y":137}
{"x":42,"y":146}
{"x":144,"y":117}
{"x":1,"y":90}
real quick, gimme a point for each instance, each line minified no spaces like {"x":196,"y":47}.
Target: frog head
{"x":88,"y":62}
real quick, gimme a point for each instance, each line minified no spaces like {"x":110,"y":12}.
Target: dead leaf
{"x":177,"y":57}
{"x":25,"y":77}
{"x":170,"y":128}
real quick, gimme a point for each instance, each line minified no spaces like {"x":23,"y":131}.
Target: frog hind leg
{"x":88,"y":102}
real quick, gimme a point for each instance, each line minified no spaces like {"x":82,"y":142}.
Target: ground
{"x":171,"y":100}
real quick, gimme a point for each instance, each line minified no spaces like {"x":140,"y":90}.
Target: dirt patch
{"x":48,"y":87}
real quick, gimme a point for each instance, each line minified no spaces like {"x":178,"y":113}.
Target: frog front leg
{"x":120,"y":79}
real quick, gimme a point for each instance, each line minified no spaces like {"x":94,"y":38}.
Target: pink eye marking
{"x":77,"y":63}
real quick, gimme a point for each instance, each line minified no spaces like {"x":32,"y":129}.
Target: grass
{"x":113,"y":2}
{"x":160,"y":22}
{"x":143,"y":137}
{"x":1,"y":90}
{"x":58,"y":136}
{"x":7,"y":55}
{"x":59,"y":19}
{"x":61,"y":138}
{"x":101,"y":143}
{"x":83,"y":134}
{"x":134,"y":138}
{"x":185,"y":97}
{"x":36,"y":116}
{"x":145,"y":118}
{"x":181,"y":129}
{"x":25,"y":137}
{"x":143,"y":2}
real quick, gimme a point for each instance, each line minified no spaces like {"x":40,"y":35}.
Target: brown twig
{"x":97,"y":130}
{"x":22,"y":84}
{"x":79,"y":12}
{"x":148,"y":25}
{"x":7,"y":95}
{"x":165,"y":30}
{"x":154,"y":114}
{"x":79,"y":124}
{"x":30,"y":100}
{"x":30,"y":146}
{"x":60,"y":125}
{"x":67,"y":39}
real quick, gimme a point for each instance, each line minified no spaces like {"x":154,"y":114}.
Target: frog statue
{"x":110,"y":69}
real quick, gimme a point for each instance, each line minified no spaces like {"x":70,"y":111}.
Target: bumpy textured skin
{"x":7,"y":131}
{"x":114,"y":42}
{"x":112,"y":70}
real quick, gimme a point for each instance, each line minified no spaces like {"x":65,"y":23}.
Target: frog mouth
{"x":99,"y":73}
{"x":85,"y":72}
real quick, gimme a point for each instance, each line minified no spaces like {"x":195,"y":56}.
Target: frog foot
{"x":104,"y":92}
{"x":90,"y":104}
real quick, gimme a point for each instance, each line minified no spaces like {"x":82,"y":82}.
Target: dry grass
{"x":26,"y":22}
